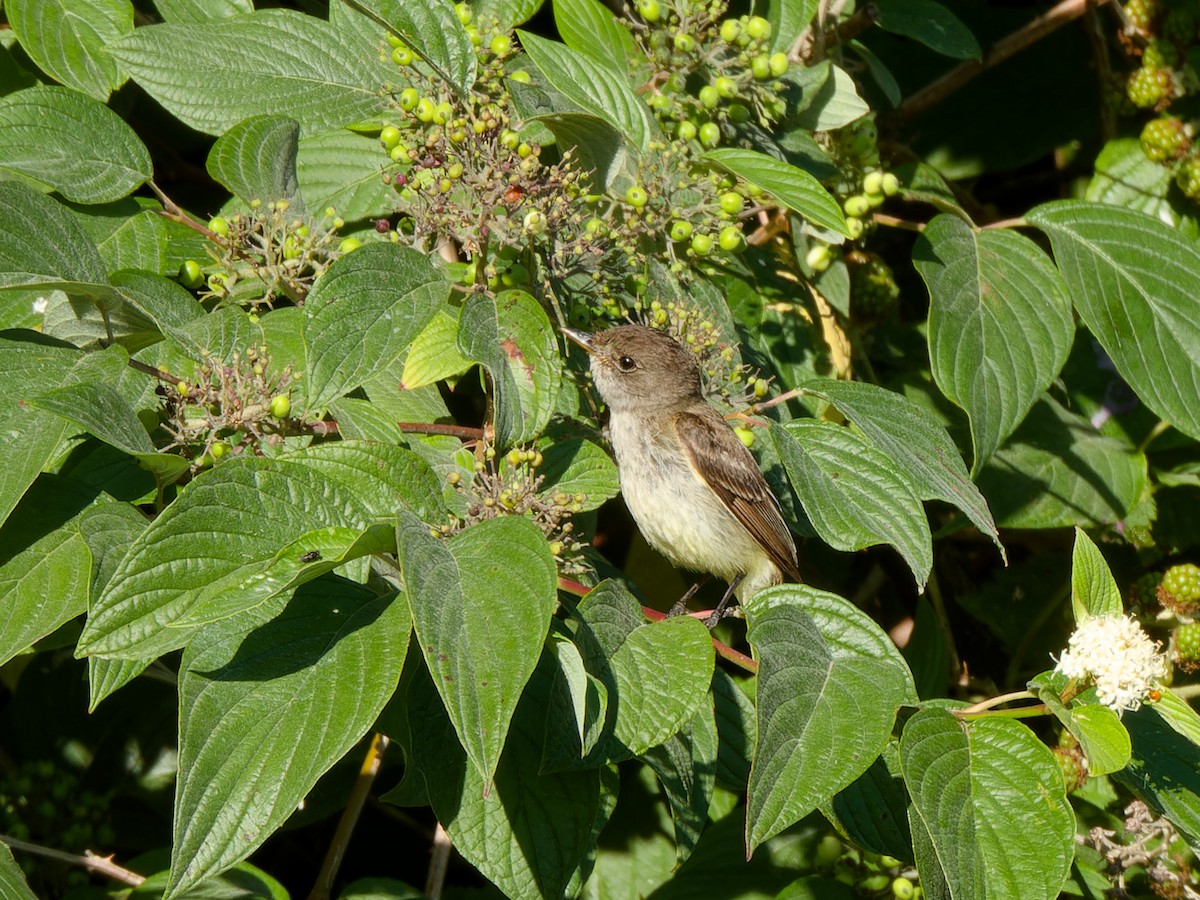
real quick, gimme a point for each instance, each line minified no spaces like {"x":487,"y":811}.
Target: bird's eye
{"x":626,"y":363}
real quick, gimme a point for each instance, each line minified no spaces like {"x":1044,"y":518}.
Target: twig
{"x":995,"y":701}
{"x":465,"y":432}
{"x":897,"y":222}
{"x":100,"y":865}
{"x":323,"y":888}
{"x":160,"y":374}
{"x":438,"y":863}
{"x":937,"y":91}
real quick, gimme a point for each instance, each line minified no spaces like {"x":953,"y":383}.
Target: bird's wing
{"x":722,"y":461}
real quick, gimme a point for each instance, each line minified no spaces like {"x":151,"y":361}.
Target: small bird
{"x":693,"y":488}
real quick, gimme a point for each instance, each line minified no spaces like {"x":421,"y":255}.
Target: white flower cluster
{"x":1119,"y":656}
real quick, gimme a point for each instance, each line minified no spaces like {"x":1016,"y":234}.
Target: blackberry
{"x":1185,"y":644}
{"x":1165,"y":139}
{"x":1150,"y":88}
{"x":1145,"y":590}
{"x":1072,"y":765}
{"x":1160,"y":54}
{"x":1188,"y":177}
{"x":1180,"y":589}
{"x":1142,"y":14}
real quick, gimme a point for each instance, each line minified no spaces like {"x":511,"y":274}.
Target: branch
{"x":1032,"y":32}
{"x":100,"y":865}
{"x":438,"y":863}
{"x":465,"y":432}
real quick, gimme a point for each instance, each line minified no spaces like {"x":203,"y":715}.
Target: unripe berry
{"x":1180,"y":588}
{"x":1186,"y":644}
{"x":857,"y":206}
{"x":535,"y":222}
{"x":745,"y":435}
{"x":281,"y":405}
{"x":903,"y":889}
{"x":501,"y":45}
{"x":521,"y":76}
{"x":709,"y":98}
{"x":1188,"y":177}
{"x":854,"y":228}
{"x":687,"y":130}
{"x":731,"y":239}
{"x":730,"y":29}
{"x":681,"y":231}
{"x":891,"y":184}
{"x":738,"y":114}
{"x":1165,"y":140}
{"x":758,"y":28}
{"x":710,"y":134}
{"x":1150,"y":88}
{"x":389,"y":136}
{"x":726,"y":87}
{"x":402,"y":56}
{"x":409,"y":98}
{"x":873,"y":183}
{"x":190,"y":274}
{"x":424,"y":110}
{"x":463,"y":11}
{"x":779,"y":64}
{"x":349,"y":245}
{"x":442,"y":113}
{"x":649,"y":10}
{"x":819,"y":258}
{"x":218,"y":225}
{"x":760,"y":67}
{"x":684,"y":42}
{"x":702,"y":244}
{"x":636,"y":197}
{"x":730,"y":202}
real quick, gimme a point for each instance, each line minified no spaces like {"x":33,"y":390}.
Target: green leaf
{"x":882,"y":75}
{"x":854,"y":494}
{"x":1056,"y":471}
{"x":818,"y":657}
{"x":511,"y":336}
{"x":362,"y":315}
{"x":433,"y":30}
{"x":481,"y":606}
{"x":341,"y":169}
{"x":42,"y":243}
{"x":162,"y":301}
{"x":931,"y":24}
{"x":1094,"y":591}
{"x":914,"y":439}
{"x":988,"y":797}
{"x":1098,"y":729}
{"x":140,"y":241}
{"x":256,"y":160}
{"x":12,"y":880}
{"x":788,"y":20}
{"x":1128,"y":179}
{"x":873,"y":810}
{"x":68,"y":39}
{"x":577,"y":466}
{"x":685,"y":765}
{"x":1000,"y":324}
{"x":828,"y":98}
{"x":200,"y":11}
{"x":1163,"y":769}
{"x":526,"y":831}
{"x":1128,"y":275}
{"x":791,"y":187}
{"x":737,"y":729}
{"x":207,"y":556}
{"x":40,"y":141}
{"x":434,"y":353}
{"x":589,"y":27}
{"x":45,"y":565}
{"x":1176,"y":712}
{"x":508,"y":13}
{"x":263,"y":715}
{"x":591,"y":86}
{"x":303,"y":67}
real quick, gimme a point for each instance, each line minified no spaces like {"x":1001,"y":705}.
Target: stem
{"x":1024,"y":712}
{"x":1032,"y":32}
{"x":438,"y":863}
{"x":739,"y":659}
{"x":1186,"y":691}
{"x":1159,"y":427}
{"x":100,"y":865}
{"x":323,"y":888}
{"x":897,"y":222}
{"x":465,"y":432}
{"x":996,"y":701}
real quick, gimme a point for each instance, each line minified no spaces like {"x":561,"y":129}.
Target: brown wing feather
{"x":722,"y":460}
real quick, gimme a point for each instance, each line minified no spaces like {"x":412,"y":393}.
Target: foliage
{"x":299,"y":472}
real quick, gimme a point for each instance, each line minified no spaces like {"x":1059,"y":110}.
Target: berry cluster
{"x":265,"y":253}
{"x":512,"y":486}
{"x":1163,"y":34}
{"x":869,"y":874}
{"x":858,"y":199}
{"x":231,"y":406}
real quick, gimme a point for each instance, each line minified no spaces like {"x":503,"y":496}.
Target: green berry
{"x":1185,"y":642}
{"x":521,"y":76}
{"x":702,"y":244}
{"x":1165,"y":139}
{"x":1142,"y":14}
{"x":409,"y":98}
{"x":424,"y":110}
{"x":501,"y":45}
{"x":730,"y":29}
{"x":758,"y":28}
{"x":191,"y":276}
{"x":903,"y":889}
{"x":710,"y":134}
{"x":730,"y":202}
{"x":681,"y":231}
{"x":891,"y":184}
{"x":1160,"y":54}
{"x":1188,"y":177}
{"x":760,"y":67}
{"x":1150,"y":88}
{"x":1181,"y":585}
{"x":389,"y":136}
{"x":854,"y":228}
{"x":281,"y":405}
{"x":709,"y":98}
{"x":402,"y":56}
{"x":1071,"y":764}
{"x":857,"y":206}
{"x":649,"y":10}
{"x":684,"y":42}
{"x":745,"y":435}
{"x":442,"y":113}
{"x":463,"y":11}
{"x":726,"y":87}
{"x":349,"y":245}
{"x":687,"y":130}
{"x":819,"y":258}
{"x":636,"y":197}
{"x":779,"y":64}
{"x":218,"y":225}
{"x":872,"y":183}
{"x":731,"y":239}
{"x":535,"y":222}
{"x":738,"y":114}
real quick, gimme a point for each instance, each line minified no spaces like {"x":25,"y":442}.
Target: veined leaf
{"x":68,"y":39}
{"x":256,"y":160}
{"x":433,"y":30}
{"x":791,"y":186}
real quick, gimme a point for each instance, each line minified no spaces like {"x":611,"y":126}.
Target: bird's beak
{"x":582,"y":338}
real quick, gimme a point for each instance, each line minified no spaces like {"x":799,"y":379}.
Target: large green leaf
{"x":1125,"y":177}
{"x":1102,"y":737}
{"x":68,"y":39}
{"x":989,"y":812}
{"x":1094,"y":591}
{"x":507,"y":13}
{"x":828,"y":98}
{"x":199,"y":11}
{"x":788,"y":20}
{"x":256,"y":160}
{"x":42,"y":244}
{"x":589,"y":27}
{"x":1130,"y":278}
{"x":873,"y":810}
{"x":341,"y":169}
{"x":1163,"y":769}
{"x":526,"y":831}
{"x":362,"y":315}
{"x":930,"y":23}
{"x":303,"y":67}
{"x":914,"y":439}
{"x":1056,"y":471}
{"x":12,"y":880}
{"x":1000,"y":324}
{"x":481,"y":605}
{"x":262,"y":715}
{"x":686,"y":767}
{"x":854,"y":495}
{"x":591,"y":86}
{"x":792,"y":187}
{"x":40,"y":141}
{"x":829,"y":685}
{"x":512,"y":337}
{"x":579,"y":467}
{"x":210,"y":554}
{"x":433,"y":30}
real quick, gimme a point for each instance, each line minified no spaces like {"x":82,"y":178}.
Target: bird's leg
{"x":719,"y":613}
{"x":680,"y":606}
